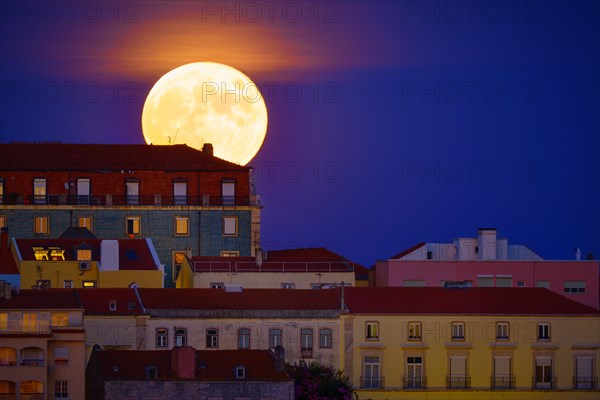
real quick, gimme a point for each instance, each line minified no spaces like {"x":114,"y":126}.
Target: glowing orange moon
{"x":207,"y":102}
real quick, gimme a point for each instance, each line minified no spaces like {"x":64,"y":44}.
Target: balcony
{"x":414,"y":382}
{"x":372,"y":382}
{"x":544,"y":383}
{"x":585,"y":383}
{"x":502,"y":382}
{"x":458,"y":382}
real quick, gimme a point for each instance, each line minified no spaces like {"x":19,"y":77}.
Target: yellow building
{"x":438,"y":343}
{"x":87,"y":263}
{"x":42,"y":352}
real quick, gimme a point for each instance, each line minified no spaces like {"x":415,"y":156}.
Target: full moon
{"x":207,"y":102}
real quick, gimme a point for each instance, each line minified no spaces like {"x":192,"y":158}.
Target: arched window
{"x":8,"y":356}
{"x":32,"y":356}
{"x":8,"y":390}
{"x":31,"y":390}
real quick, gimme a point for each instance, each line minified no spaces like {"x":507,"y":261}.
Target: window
{"x":542,"y":284}
{"x":325,"y":338}
{"x":83,"y":191}
{"x":89,"y":284}
{"x":133,"y":192}
{"x":306,"y":343}
{"x":180,"y":337}
{"x":2,"y":221}
{"x":212,"y":338}
{"x":182,"y":226}
{"x":229,"y":253}
{"x":240,"y":372}
{"x":85,"y":222}
{"x":162,"y":337}
{"x":371,"y":378}
{"x":61,"y":389}
{"x":84,"y":254}
{"x":60,"y":319}
{"x":502,"y":378}
{"x":29,"y":322}
{"x":230,"y":226}
{"x":275,"y":338}
{"x":178,"y":259}
{"x":31,"y":390}
{"x":217,"y":285}
{"x":243,"y":338}
{"x":521,"y":284}
{"x":485,"y":281}
{"x":414,"y":373}
{"x":1,"y":191}
{"x":39,"y":191}
{"x":502,"y":331}
{"x":414,"y":283}
{"x":134,"y":226}
{"x":112,"y":305}
{"x":430,"y":255}
{"x":41,"y":225}
{"x":3,"y":321}
{"x":574,"y":287}
{"x":8,"y":357}
{"x":180,"y":192}
{"x":584,"y":373}
{"x":43,"y":284}
{"x":414,"y":331}
{"x":151,"y":372}
{"x":228,"y":192}
{"x":372,"y":329}
{"x":543,"y":373}
{"x":68,"y":284}
{"x":61,"y":356}
{"x":503,"y":281}
{"x":543,"y":331}
{"x":458,"y":378}
{"x":458,"y":331}
{"x":288,"y":285}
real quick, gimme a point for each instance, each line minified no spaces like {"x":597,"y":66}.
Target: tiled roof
{"x":434,"y":300}
{"x":248,"y":299}
{"x":8,"y":265}
{"x":134,"y":254}
{"x":217,"y":365}
{"x":96,"y":301}
{"x":316,"y":259}
{"x":109,"y":157}
{"x":41,"y":299}
{"x":407,"y":251}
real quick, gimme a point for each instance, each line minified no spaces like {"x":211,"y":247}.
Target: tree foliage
{"x":318,"y":382}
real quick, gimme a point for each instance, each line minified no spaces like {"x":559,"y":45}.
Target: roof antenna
{"x":175,"y":138}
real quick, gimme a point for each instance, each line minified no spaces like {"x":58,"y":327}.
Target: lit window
{"x":180,"y":337}
{"x":89,"y":284}
{"x":243,"y":338}
{"x":229,"y":253}
{"x":162,"y":337}
{"x":8,"y":357}
{"x":41,"y":225}
{"x":217,"y":285}
{"x":60,"y":319}
{"x":182,"y":226}
{"x":502,"y":331}
{"x":30,"y":322}
{"x":230,"y":226}
{"x":39,"y":191}
{"x":212,"y":338}
{"x":228,"y":193}
{"x":61,"y":389}
{"x":178,"y":258}
{"x":543,"y":331}
{"x":134,"y":226}
{"x":85,"y":222}
{"x":2,"y":221}
{"x":1,"y":191}
{"x":288,"y":285}
{"x":3,"y":321}
{"x":414,"y":331}
{"x":84,"y":255}
{"x":61,"y":356}
{"x":325,"y":338}
{"x":275,"y":338}
{"x":306,"y":343}
{"x":458,"y":331}
{"x":574,"y":287}
{"x":372,"y":330}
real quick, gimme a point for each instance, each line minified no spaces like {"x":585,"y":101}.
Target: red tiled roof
{"x":96,"y":301}
{"x":110,"y":157}
{"x":41,"y":299}
{"x":248,"y":299}
{"x":8,"y":265}
{"x":434,"y":300}
{"x":134,"y":254}
{"x":217,"y":365}
{"x":407,"y":251}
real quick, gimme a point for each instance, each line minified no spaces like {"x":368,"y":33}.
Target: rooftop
{"x":41,"y":299}
{"x":97,"y":301}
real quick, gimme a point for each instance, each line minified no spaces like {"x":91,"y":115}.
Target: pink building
{"x":486,"y":261}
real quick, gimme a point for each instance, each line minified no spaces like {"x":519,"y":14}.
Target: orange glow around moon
{"x":207,"y":102}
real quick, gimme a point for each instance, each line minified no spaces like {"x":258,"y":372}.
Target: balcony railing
{"x":503,"y":382}
{"x":119,"y":200}
{"x":585,"y":383}
{"x":372,"y":382}
{"x":414,"y":382}
{"x":30,"y":362}
{"x":544,"y":383}
{"x":273,"y":266}
{"x":458,"y":382}
{"x":8,"y":396}
{"x":32,"y":396}
{"x":61,"y":395}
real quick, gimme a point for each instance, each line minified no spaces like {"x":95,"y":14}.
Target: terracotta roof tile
{"x":41,"y":299}
{"x":96,"y":301}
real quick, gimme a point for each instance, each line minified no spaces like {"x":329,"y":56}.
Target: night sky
{"x":390,"y":123}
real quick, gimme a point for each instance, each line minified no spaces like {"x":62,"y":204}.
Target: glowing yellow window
{"x":60,"y":319}
{"x":29,"y":322}
{"x":182,"y":226}
{"x":84,"y":255}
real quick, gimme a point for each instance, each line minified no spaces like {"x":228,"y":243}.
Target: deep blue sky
{"x":390,"y":123}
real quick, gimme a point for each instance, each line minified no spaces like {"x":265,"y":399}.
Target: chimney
{"x":578,"y":254}
{"x":279,"y":356}
{"x":183,"y":361}
{"x":4,"y":239}
{"x":208,"y":149}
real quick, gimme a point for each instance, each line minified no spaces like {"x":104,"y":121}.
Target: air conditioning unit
{"x":84,"y":265}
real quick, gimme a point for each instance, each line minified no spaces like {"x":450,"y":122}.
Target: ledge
{"x":374,"y":346}
{"x":459,"y":345}
{"x":414,"y":345}
{"x":545,"y":345}
{"x":585,"y":346}
{"x":503,"y":345}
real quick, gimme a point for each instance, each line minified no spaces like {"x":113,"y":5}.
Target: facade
{"x":470,"y":343}
{"x":41,"y":345}
{"x":186,"y":201}
{"x":9,"y":270}
{"x":310,"y":268}
{"x":88,"y":263}
{"x":304,"y":322}
{"x":487,"y":262}
{"x":186,"y":373}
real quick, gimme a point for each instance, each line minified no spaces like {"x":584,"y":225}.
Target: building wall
{"x":395,"y":273}
{"x":569,"y":337}
{"x":56,"y":272}
{"x":115,"y":332}
{"x":123,"y":278}
{"x":272,"y":280}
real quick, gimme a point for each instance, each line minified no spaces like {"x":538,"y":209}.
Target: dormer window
{"x":240,"y":372}
{"x":84,"y":255}
{"x":151,"y":372}
{"x":112,"y":305}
